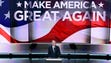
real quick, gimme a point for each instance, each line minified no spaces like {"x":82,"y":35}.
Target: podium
{"x":53,"y":60}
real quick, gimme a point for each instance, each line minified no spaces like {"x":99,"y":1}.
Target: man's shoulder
{"x":50,"y":46}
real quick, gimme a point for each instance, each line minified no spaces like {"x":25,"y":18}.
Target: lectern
{"x":53,"y":60}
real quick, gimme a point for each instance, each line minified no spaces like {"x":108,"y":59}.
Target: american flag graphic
{"x":93,"y":32}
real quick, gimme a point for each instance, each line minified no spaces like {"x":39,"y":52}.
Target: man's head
{"x":53,"y":43}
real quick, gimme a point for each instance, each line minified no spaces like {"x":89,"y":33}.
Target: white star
{"x":1,"y":2}
{"x":100,"y":4}
{"x":7,"y":15}
{"x":19,"y":4}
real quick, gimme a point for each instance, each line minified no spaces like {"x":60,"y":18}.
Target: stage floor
{"x":42,"y":60}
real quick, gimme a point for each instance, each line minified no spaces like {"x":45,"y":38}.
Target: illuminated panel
{"x":100,"y":25}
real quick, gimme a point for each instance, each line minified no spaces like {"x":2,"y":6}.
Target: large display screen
{"x":65,"y":21}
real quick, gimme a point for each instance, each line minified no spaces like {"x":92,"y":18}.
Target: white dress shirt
{"x":53,"y":48}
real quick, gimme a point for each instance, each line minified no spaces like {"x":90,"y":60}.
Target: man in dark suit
{"x":53,"y":50}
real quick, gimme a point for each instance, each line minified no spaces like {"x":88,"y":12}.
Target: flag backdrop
{"x":13,"y":31}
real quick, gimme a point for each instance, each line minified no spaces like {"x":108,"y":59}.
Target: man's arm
{"x":49,"y":51}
